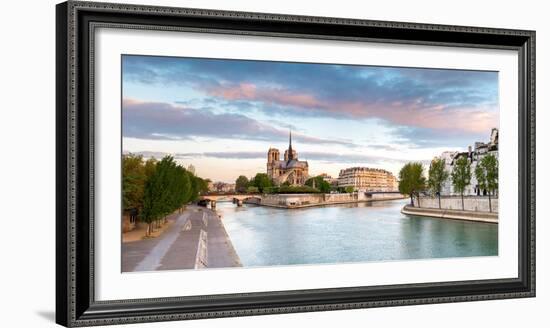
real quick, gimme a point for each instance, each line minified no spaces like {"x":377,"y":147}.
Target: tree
{"x":437,"y":175}
{"x":486,"y":173}
{"x":202,"y":185}
{"x":150,"y":167}
{"x":183,"y":190}
{"x":166,"y":190}
{"x":319,"y":183}
{"x":165,"y":187}
{"x":461,"y":176}
{"x":241,"y":184}
{"x":133,"y":182}
{"x":262,"y":181}
{"x":194,"y":187}
{"x":349,"y":189}
{"x":412,"y":180}
{"x":152,"y":199}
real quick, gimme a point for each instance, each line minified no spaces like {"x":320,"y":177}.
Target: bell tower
{"x":272,"y":155}
{"x":272,"y":161}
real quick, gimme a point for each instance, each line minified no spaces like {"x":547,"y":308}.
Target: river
{"x":265,"y":236}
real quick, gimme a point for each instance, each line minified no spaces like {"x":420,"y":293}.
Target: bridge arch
{"x":234,"y":198}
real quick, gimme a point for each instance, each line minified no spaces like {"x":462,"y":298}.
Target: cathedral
{"x":291,"y":170}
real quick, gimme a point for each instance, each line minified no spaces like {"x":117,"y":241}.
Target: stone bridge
{"x":234,"y":198}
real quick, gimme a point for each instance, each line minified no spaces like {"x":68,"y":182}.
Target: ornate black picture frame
{"x":75,"y":301}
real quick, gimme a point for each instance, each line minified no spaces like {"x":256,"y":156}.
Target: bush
{"x":292,"y":190}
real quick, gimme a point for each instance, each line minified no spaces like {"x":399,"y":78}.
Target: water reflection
{"x":377,"y":231}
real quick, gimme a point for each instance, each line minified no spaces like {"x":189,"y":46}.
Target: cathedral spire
{"x":289,"y":138}
{"x":290,"y":153}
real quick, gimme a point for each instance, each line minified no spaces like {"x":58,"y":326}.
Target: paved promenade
{"x":197,"y":239}
{"x":451,"y":214}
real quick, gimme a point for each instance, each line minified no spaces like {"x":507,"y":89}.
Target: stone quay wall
{"x":306,"y":200}
{"x":471,"y":203}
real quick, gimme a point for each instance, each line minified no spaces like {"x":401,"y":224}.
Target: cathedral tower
{"x":272,"y":155}
{"x":290,"y":153}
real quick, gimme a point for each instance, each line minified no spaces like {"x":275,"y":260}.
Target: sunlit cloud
{"x":310,"y":156}
{"x":154,"y":120}
{"x":459,"y":100}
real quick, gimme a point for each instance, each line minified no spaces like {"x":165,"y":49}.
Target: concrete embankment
{"x":467,"y":203}
{"x":197,"y":239}
{"x":327,"y":203}
{"x":451,"y":214}
{"x":292,"y":201}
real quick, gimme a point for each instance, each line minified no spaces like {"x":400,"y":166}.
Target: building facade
{"x":474,"y":156}
{"x":290,"y":170}
{"x":367,"y":179}
{"x":332,"y":181}
{"x":223,"y":187}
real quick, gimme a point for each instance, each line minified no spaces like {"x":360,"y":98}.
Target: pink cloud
{"x":411,"y":113}
{"x":249,"y":91}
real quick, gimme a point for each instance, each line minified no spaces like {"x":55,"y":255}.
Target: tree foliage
{"x":318,"y":183}
{"x":261,"y":181}
{"x":241,"y":184}
{"x":133,"y":182}
{"x":486,"y":173}
{"x":157,"y":188}
{"x":292,"y":190}
{"x":489,"y":172}
{"x":412,"y":180}
{"x":437,"y":175}
{"x":349,"y":189}
{"x":461,"y":176}
{"x":346,"y":190}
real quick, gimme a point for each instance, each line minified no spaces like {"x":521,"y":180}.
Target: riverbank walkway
{"x":476,"y":216}
{"x":197,"y":239}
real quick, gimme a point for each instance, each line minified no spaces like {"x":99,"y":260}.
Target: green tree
{"x":412,"y":180}
{"x":295,"y":190}
{"x":241,"y":184}
{"x":164,"y":192}
{"x":202,"y":185}
{"x":152,"y":199}
{"x":133,"y":182}
{"x":486,"y":173}
{"x":183,"y":189}
{"x":461,"y":176}
{"x":437,"y":175}
{"x":194,"y":187}
{"x":167,"y":187}
{"x":318,"y":183}
{"x":262,"y":181}
{"x":150,"y":167}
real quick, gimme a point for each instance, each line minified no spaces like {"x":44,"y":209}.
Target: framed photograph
{"x":215,"y":163}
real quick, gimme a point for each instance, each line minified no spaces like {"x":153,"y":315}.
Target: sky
{"x":223,"y":115}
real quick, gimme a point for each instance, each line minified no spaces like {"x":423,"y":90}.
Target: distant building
{"x":367,"y":179}
{"x":290,"y":170}
{"x":332,"y":181}
{"x":474,"y":157}
{"x":223,"y":187}
{"x":191,"y":169}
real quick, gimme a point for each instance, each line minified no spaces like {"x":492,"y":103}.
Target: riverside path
{"x":197,"y":239}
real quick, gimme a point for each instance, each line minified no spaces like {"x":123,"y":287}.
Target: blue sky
{"x":222,"y":115}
